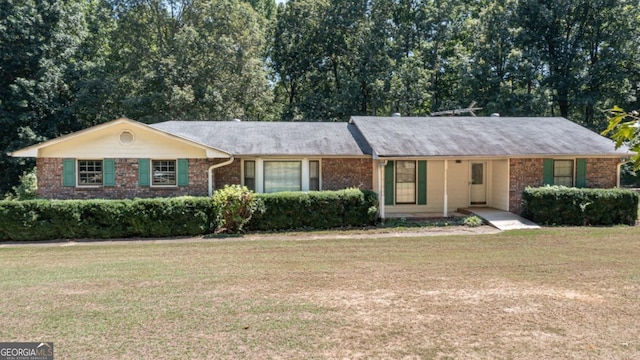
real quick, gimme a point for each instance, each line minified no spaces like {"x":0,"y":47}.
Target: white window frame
{"x":396,"y":183}
{"x":153,"y":174}
{"x":79,"y":172}
{"x":260,"y":171}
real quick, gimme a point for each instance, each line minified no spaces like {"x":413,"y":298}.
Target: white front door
{"x":478,"y":183}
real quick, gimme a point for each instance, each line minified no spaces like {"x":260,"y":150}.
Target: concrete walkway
{"x":502,"y":220}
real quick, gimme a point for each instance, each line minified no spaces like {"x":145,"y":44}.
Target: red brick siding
{"x":336,"y":174}
{"x":227,"y":175}
{"x":343,"y":173}
{"x":601,"y":173}
{"x":523,"y":173}
{"x":50,"y":176}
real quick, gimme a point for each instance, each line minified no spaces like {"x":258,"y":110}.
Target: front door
{"x":478,"y":191}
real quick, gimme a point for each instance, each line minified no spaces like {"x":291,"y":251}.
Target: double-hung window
{"x":314,"y":175}
{"x":563,"y":172}
{"x":90,"y":172}
{"x":164,"y":172}
{"x":250,"y":174}
{"x":406,"y":182}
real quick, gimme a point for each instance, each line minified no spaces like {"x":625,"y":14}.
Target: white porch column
{"x":305,"y":174}
{"x":259,"y":176}
{"x":445,"y":209}
{"x":381,"y":189}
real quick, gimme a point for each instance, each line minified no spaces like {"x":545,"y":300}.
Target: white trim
{"x":151,"y":175}
{"x":77,"y":175}
{"x":210,"y":173}
{"x":445,"y":207}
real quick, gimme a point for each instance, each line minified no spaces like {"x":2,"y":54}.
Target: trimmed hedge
{"x":316,"y":210}
{"x":559,"y":205}
{"x":104,"y":219}
{"x":33,"y":220}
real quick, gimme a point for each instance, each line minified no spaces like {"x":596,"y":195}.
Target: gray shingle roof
{"x":481,"y":136}
{"x":271,"y":138}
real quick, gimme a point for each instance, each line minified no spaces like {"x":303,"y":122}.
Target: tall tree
{"x":578,"y":43}
{"x":190,"y":60}
{"x":39,"y":42}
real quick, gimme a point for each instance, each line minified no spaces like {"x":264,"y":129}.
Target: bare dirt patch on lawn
{"x":558,"y":293}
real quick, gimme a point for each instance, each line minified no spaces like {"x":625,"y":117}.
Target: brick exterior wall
{"x":523,"y":173}
{"x":227,"y":175}
{"x":343,"y":173}
{"x":601,"y":173}
{"x":336,"y":174}
{"x":49,"y":172}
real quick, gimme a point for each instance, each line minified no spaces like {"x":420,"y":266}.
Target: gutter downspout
{"x":215,"y":166}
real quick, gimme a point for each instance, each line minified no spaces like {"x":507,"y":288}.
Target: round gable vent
{"x":126,"y":137}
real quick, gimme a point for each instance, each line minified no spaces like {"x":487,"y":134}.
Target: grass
{"x":552,"y":293}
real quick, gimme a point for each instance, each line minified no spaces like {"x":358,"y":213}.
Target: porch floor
{"x":422,"y":215}
{"x":500,"y":219}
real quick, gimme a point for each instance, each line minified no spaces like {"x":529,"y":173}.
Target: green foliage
{"x":558,"y":205}
{"x":625,"y":130}
{"x":27,"y":189}
{"x":71,"y":64}
{"x":316,"y":210}
{"x":235,"y":205}
{"x":76,"y":219}
{"x":472,"y":221}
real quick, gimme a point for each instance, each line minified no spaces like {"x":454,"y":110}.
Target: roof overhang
{"x":35,"y":150}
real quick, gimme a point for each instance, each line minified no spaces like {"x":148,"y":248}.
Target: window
{"x":314,"y":175}
{"x":89,"y":172}
{"x":250,"y":174}
{"x":164,"y":172}
{"x":406,"y":182}
{"x":282,"y":176}
{"x":563,"y":172}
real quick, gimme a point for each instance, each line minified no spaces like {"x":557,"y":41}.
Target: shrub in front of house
{"x":559,"y":205}
{"x":105,"y":219}
{"x":34,"y":220}
{"x":235,"y":206}
{"x":316,"y":210}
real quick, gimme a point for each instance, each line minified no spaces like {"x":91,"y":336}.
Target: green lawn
{"x":553,"y":293}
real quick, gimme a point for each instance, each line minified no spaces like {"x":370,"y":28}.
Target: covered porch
{"x":436,"y":187}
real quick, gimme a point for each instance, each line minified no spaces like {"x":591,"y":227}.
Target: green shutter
{"x":69,"y":172}
{"x":548,"y":172}
{"x":183,"y":172}
{"x":388,"y":183}
{"x":422,"y":182}
{"x":144,"y":172}
{"x":108,"y":172}
{"x":581,"y":173}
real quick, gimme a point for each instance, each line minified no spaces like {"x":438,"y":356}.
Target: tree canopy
{"x":70,"y":64}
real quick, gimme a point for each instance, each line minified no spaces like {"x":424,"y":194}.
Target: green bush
{"x":235,"y":206}
{"x":316,"y":210}
{"x":558,"y":205}
{"x":27,"y":189}
{"x":103,"y":219}
{"x":184,"y":216}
